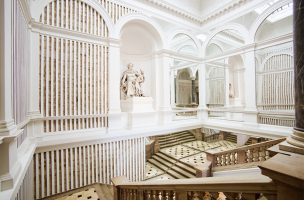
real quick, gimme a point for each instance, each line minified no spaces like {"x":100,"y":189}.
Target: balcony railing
{"x":246,"y":154}
{"x":234,"y":187}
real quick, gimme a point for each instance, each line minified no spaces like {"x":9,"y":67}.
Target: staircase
{"x":231,"y":138}
{"x":249,"y":141}
{"x":172,"y":166}
{"x":175,"y":139}
{"x":91,"y":192}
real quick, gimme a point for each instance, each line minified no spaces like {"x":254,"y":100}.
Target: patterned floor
{"x":190,"y":153}
{"x":89,"y":193}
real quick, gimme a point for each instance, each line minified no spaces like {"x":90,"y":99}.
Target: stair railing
{"x":246,"y":154}
{"x":234,"y":187}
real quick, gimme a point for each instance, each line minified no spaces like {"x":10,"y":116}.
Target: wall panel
{"x":65,"y":168}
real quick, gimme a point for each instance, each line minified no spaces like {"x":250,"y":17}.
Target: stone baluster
{"x":228,"y":159}
{"x":262,"y":153}
{"x":233,"y":158}
{"x":154,"y":195}
{"x":223,"y":163}
{"x":255,"y":154}
{"x":249,"y":155}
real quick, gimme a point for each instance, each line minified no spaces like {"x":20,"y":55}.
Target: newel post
{"x":116,"y":182}
{"x":211,"y":158}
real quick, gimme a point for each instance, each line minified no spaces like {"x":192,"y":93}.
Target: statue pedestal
{"x":139,"y":111}
{"x":137,"y":104}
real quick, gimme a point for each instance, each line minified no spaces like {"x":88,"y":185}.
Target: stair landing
{"x":91,"y":192}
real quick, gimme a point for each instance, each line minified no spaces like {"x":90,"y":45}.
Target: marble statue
{"x":131,"y":82}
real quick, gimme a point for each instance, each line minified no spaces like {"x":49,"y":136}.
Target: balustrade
{"x":248,"y":154}
{"x":196,"y":189}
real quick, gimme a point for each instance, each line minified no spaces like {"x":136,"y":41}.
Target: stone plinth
{"x":137,"y":104}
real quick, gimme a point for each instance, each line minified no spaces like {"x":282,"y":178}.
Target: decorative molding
{"x":199,"y":19}
{"x":67,"y":34}
{"x":172,"y":8}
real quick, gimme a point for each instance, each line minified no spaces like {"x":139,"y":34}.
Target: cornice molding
{"x":176,"y":10}
{"x":199,"y":19}
{"x":222,"y":10}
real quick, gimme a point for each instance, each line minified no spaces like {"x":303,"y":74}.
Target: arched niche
{"x":277,"y":24}
{"x":183,"y":88}
{"x":236,"y":80}
{"x":138,"y":43}
{"x":186,"y":88}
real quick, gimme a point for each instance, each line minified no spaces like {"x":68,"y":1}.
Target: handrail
{"x":245,"y":154}
{"x":266,"y":143}
{"x":188,"y":188}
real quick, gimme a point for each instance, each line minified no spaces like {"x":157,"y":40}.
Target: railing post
{"x":116,"y":182}
{"x":180,"y":195}
{"x":241,"y":156}
{"x":210,"y":157}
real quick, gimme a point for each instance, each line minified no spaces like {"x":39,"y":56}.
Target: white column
{"x":202,"y":113}
{"x":250,"y":88}
{"x":227,"y":81}
{"x":33,"y":106}
{"x":114,"y":85}
{"x":173,"y":74}
{"x":6,"y":102}
{"x":8,"y":146}
{"x":163,"y":87}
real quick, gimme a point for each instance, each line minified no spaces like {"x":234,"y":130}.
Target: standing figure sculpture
{"x":131,"y":82}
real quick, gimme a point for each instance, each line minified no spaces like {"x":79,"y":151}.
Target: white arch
{"x":217,"y":44}
{"x":37,"y":9}
{"x":174,"y":32}
{"x":255,"y":26}
{"x":142,"y":18}
{"x":232,"y":26}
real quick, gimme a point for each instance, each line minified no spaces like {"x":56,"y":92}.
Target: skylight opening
{"x":261,"y":9}
{"x":279,"y":14}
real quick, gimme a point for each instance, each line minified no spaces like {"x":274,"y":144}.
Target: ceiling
{"x":199,"y":7}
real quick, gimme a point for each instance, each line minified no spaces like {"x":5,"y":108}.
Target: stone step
{"x":158,"y":164}
{"x":231,"y":138}
{"x":102,"y":191}
{"x":170,"y":144}
{"x":164,"y":162}
{"x":186,"y":167}
{"x":107,"y":192}
{"x":174,"y":136}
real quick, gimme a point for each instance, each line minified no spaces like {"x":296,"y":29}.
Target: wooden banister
{"x":188,"y":188}
{"x":245,"y":154}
